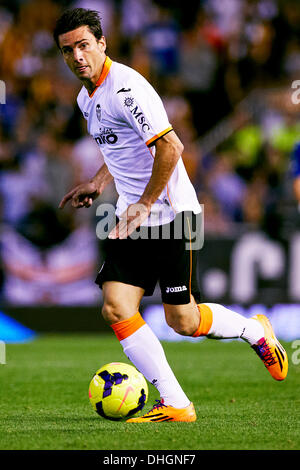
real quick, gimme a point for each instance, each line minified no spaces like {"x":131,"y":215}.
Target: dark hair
{"x":73,"y":19}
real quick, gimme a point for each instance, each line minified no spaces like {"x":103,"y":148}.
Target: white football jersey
{"x":126,"y":116}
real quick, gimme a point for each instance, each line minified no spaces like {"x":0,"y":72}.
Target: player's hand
{"x":130,"y":220}
{"x":81,"y":196}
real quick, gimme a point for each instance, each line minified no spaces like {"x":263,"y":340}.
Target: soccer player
{"x":142,"y":153}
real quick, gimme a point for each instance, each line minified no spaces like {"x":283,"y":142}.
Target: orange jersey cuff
{"x":158,"y":136}
{"x":127,"y":327}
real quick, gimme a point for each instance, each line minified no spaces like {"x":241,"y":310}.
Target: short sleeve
{"x":138,"y":104}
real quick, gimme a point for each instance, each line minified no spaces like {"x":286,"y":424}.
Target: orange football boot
{"x":161,"y":413}
{"x":270,"y":350}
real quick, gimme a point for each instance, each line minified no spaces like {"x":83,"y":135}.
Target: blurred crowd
{"x":224,"y":70}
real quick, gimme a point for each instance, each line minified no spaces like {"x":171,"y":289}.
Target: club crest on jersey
{"x":98,"y":112}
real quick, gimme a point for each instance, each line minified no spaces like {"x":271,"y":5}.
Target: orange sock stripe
{"x":206,"y":318}
{"x":127,"y":327}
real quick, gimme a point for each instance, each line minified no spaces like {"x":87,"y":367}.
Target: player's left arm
{"x":168,"y":151}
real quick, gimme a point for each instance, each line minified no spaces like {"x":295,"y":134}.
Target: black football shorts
{"x":166,"y":254}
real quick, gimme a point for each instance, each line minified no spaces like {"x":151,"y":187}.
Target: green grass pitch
{"x":44,"y":398}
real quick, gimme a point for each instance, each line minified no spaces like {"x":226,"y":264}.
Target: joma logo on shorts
{"x":175,"y":289}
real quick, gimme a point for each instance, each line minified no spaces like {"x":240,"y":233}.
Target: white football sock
{"x":144,"y":350}
{"x":229,"y":324}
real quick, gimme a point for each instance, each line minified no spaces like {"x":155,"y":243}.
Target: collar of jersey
{"x":104,"y":73}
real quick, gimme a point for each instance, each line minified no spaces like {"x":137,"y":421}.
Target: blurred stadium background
{"x":225,"y":71}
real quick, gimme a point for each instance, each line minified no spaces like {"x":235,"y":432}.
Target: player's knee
{"x":182,"y":330}
{"x":112,"y":312}
{"x":180,"y":325}
{"x":184,"y":319}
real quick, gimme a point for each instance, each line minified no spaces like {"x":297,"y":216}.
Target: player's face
{"x":83,"y":53}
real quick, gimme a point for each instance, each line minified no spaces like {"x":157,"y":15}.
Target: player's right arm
{"x":84,"y":194}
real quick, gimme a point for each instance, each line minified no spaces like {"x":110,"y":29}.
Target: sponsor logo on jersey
{"x":86,"y":114}
{"x":171,"y":290}
{"x":98,"y":112}
{"x":106,"y":136}
{"x":129,"y":101}
{"x":137,"y":114}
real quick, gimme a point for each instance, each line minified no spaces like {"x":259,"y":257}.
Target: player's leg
{"x":140,"y":345}
{"x":218,"y":322}
{"x":212,"y":320}
{"x":187,"y":316}
{"x":128,"y":273}
{"x":181,"y":296}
